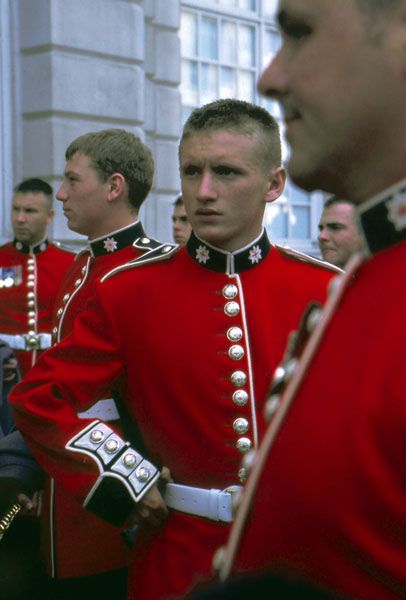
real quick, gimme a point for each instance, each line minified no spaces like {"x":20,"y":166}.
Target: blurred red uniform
{"x":327,"y":499}
{"x":30,"y":277}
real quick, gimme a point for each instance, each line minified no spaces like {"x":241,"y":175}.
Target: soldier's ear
{"x":116,"y":186}
{"x":276,"y":183}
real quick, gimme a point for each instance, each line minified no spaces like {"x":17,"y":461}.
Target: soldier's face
{"x":84,"y":198}
{"x":334,"y":78}
{"x":338,"y":236}
{"x":30,"y":217}
{"x":181,"y":227}
{"x":225,"y":187}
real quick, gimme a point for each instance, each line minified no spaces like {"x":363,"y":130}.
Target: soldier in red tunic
{"x":194,"y":334}
{"x":100,"y":200}
{"x":31,"y":271}
{"x":326,"y":498}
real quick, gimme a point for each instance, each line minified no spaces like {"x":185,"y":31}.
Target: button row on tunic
{"x":236,"y":352}
{"x":31,"y":303}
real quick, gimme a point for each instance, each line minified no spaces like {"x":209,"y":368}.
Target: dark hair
{"x":35,"y":186}
{"x":336,"y":200}
{"x":178,"y":201}
{"x":118,"y":151}
{"x":240,"y":117}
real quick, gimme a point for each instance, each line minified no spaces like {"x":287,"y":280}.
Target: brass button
{"x":96,"y":436}
{"x":111,"y":446}
{"x":232,"y":309}
{"x":240,"y":397}
{"x":234,"y":334}
{"x":236,"y":352}
{"x":241,"y":426}
{"x":243,"y":445}
{"x":238,"y":378}
{"x":230,"y":291}
{"x":142,"y":474}
{"x":129,"y":460}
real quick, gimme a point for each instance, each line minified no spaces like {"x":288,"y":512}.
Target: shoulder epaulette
{"x":62,"y":247}
{"x":160,"y":253}
{"x":306,"y":258}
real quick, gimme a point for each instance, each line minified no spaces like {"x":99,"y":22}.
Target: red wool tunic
{"x":77,"y":543}
{"x":329,"y":504}
{"x":29,"y":280}
{"x":197,"y":338}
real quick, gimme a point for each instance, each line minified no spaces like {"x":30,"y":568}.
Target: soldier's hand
{"x":9,"y":369}
{"x":31,"y":507}
{"x":151,"y":511}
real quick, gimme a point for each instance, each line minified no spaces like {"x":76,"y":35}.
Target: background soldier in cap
{"x":195,"y":334}
{"x":31,"y":270}
{"x":326,"y":499}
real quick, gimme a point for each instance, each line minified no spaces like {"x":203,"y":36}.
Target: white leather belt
{"x":25,"y":341}
{"x":105,"y":410}
{"x":213,"y":504}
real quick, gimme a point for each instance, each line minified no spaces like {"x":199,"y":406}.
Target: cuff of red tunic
{"x":125,"y":475}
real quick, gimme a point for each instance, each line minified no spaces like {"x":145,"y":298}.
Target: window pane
{"x":228,"y":83}
{"x":247,"y":86}
{"x":227,"y":2}
{"x":269,"y":7}
{"x":247,"y":4}
{"x":189,"y":82}
{"x":276,"y":220}
{"x":209,"y":83}
{"x":229,"y":43}
{"x":188,"y":34}
{"x":298,"y":196}
{"x":300,"y":222}
{"x":208,"y":38}
{"x":246,"y":46}
{"x":272,"y":44}
{"x":186,"y":110}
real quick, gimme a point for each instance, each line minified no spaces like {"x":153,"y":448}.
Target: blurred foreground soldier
{"x":107,"y":177}
{"x":31,"y":270}
{"x":194,"y":334}
{"x":339,"y":237}
{"x":326,"y":497}
{"x":181,"y":226}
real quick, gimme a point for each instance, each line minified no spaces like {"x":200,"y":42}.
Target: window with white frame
{"x":225,"y":44}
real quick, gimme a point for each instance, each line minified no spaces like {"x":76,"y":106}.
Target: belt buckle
{"x":235,"y":492}
{"x":32,"y":341}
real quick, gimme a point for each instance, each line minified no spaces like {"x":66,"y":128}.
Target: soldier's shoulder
{"x":63,"y":247}
{"x":304,"y":258}
{"x":156,"y":252}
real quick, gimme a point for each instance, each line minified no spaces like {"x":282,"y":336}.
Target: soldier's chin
{"x":308,"y":176}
